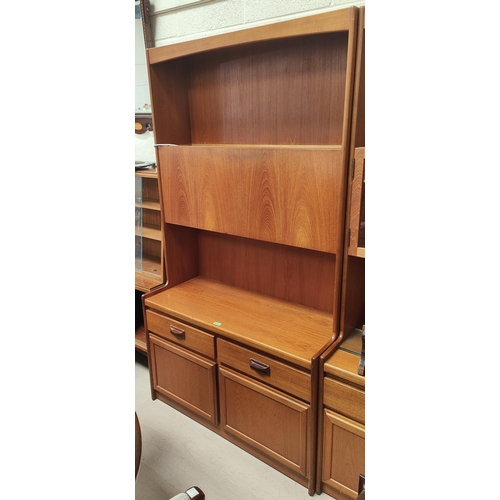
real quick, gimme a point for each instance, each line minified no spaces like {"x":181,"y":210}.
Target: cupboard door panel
{"x":343,"y":454}
{"x":184,"y":377}
{"x":286,"y":196}
{"x":266,"y":419}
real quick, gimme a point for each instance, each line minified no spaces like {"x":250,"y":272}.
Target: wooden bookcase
{"x":252,"y":131}
{"x":149,"y":252}
{"x":341,"y":453}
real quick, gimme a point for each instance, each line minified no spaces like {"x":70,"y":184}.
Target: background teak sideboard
{"x":252,"y":131}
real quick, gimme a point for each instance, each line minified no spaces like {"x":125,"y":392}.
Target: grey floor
{"x":178,"y":453}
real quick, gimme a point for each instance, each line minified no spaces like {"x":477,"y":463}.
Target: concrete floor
{"x":178,"y":453}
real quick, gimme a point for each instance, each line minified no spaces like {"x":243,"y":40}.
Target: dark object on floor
{"x":138,"y":445}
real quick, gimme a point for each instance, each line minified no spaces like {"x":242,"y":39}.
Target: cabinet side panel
{"x":181,"y":249}
{"x":283,"y":196}
{"x":354,"y":298}
{"x":169,"y":97}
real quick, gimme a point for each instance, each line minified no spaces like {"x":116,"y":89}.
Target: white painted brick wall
{"x":220,"y":16}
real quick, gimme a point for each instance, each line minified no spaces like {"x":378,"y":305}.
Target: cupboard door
{"x":184,"y":377}
{"x":272,"y":422}
{"x":343,"y":455}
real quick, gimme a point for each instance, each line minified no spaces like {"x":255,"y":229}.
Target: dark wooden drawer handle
{"x":260,"y":367}
{"x":178,"y":332}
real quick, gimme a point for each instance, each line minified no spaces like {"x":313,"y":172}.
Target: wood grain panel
{"x":184,"y":377}
{"x":169,"y":93}
{"x":339,"y":20}
{"x":357,"y":206}
{"x":344,"y":455}
{"x":280,"y":375}
{"x":289,"y":91}
{"x":264,"y":418}
{"x":344,"y":365}
{"x":297,"y":275}
{"x":344,"y":399}
{"x":192,"y":338}
{"x":353,"y":299}
{"x":283,"y":196}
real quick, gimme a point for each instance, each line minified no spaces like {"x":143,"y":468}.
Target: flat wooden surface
{"x":293,"y":333}
{"x":146,"y":282}
{"x":276,"y":195}
{"x":151,"y":173}
{"x":344,"y":361}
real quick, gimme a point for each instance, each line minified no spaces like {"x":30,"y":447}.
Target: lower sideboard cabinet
{"x":343,"y":427}
{"x":219,"y":357}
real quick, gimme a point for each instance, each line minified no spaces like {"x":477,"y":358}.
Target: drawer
{"x":265,"y":369}
{"x":344,"y":399}
{"x":181,"y":334}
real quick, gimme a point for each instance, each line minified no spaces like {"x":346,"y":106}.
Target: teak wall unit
{"x":252,"y":131}
{"x":149,"y":253}
{"x":341,"y":410}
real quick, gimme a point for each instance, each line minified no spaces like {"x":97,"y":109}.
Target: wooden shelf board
{"x":147,"y":232}
{"x":149,"y":173}
{"x":146,"y":282}
{"x":150,"y":205}
{"x":292,"y":332}
{"x":140,"y":339}
{"x":265,"y":146}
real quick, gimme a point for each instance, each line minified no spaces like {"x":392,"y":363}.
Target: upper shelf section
{"x":283,"y":84}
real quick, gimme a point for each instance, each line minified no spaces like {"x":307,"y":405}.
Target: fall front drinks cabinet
{"x":252,"y":135}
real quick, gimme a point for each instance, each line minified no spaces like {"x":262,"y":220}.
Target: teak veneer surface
{"x":283,"y":196}
{"x":291,"y":332}
{"x":344,"y":365}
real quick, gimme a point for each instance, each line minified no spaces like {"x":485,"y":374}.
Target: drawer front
{"x":181,"y":334}
{"x":184,"y":377}
{"x":265,"y":369}
{"x":266,"y":419}
{"x":344,"y":399}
